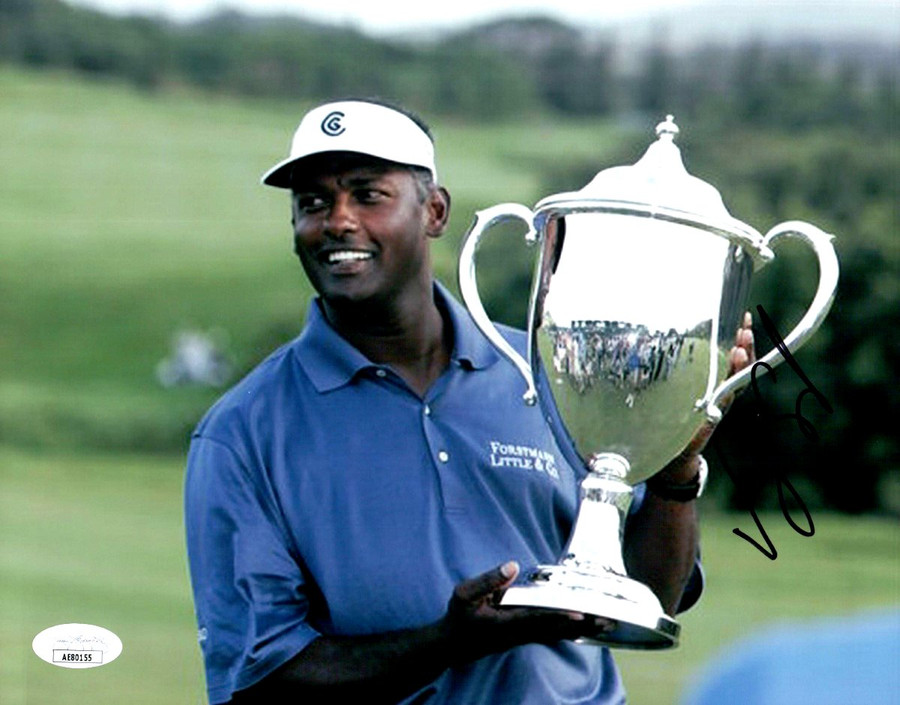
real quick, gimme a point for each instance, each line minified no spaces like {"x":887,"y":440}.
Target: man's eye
{"x":310,"y":203}
{"x":369,"y":195}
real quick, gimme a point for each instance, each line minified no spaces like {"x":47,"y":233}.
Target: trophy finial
{"x":657,"y":180}
{"x":668,"y":128}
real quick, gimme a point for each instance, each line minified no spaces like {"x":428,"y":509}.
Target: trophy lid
{"x":656,"y":185}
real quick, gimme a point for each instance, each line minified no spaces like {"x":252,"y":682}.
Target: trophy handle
{"x":468,"y":286}
{"x":821,"y":243}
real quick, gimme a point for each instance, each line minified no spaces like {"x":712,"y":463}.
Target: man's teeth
{"x":347,"y":255}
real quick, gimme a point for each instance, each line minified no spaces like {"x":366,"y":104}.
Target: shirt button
{"x":380,"y":373}
{"x":443,"y":456}
{"x":427,"y":410}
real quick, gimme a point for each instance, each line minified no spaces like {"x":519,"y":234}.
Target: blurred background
{"x":143,"y":270}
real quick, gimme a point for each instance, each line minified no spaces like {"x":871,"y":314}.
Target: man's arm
{"x":661,"y":540}
{"x":385,"y":668}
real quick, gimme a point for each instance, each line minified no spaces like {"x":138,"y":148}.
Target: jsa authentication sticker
{"x":77,"y":645}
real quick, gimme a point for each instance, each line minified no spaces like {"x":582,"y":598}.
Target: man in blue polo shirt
{"x":357,"y":504}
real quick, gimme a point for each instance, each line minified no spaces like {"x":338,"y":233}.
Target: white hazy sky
{"x":384,"y":16}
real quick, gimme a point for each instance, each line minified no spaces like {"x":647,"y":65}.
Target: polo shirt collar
{"x":470,"y":347}
{"x":331,"y":362}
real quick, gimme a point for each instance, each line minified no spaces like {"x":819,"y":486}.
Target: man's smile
{"x":341,"y":256}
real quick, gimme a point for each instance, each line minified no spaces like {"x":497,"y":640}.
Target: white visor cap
{"x":356,"y":126}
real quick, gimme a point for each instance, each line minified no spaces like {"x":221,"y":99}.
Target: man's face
{"x":361,"y":227}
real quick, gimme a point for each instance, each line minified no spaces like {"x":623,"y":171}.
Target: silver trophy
{"x":640,"y":284}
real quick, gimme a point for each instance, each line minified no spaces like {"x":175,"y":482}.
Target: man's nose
{"x":342,"y":218}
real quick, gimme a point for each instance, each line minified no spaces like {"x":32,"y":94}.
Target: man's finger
{"x":744,"y":339}
{"x":739,"y":359}
{"x":742,"y":354}
{"x":487,"y":583}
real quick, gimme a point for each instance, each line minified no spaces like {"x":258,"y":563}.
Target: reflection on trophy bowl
{"x":613,"y":381}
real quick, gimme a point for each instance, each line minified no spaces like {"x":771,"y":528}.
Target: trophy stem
{"x":591,"y":576}
{"x":605,"y":500}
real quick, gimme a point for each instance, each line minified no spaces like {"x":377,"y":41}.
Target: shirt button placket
{"x":451,"y":491}
{"x":442,"y":455}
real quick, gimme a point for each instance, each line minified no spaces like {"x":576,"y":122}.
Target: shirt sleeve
{"x":249,"y":590}
{"x":693,"y":589}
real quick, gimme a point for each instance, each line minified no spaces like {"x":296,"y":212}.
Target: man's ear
{"x":437,"y":206}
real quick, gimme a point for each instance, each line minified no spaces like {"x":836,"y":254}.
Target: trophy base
{"x":640,"y":620}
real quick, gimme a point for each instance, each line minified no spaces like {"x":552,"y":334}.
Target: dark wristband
{"x":680,"y":492}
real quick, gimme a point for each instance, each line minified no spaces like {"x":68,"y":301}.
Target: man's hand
{"x":475,"y":626}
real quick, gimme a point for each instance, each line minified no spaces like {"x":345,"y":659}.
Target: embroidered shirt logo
{"x":507,"y":455}
{"x":331,"y":125}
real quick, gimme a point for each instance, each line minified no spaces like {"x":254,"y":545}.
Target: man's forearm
{"x":661,"y":541}
{"x":384,"y":668}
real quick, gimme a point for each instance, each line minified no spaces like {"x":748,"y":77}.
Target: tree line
{"x":497,"y":70}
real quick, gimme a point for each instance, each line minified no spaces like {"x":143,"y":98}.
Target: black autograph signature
{"x":804,"y":424}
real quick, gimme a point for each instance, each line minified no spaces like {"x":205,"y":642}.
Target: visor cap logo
{"x":331,"y":125}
